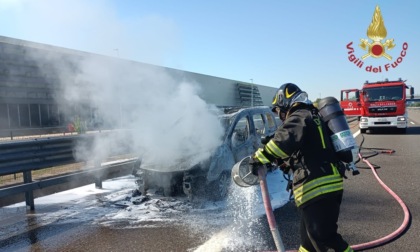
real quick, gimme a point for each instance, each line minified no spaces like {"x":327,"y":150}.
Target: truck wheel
{"x":363,"y":131}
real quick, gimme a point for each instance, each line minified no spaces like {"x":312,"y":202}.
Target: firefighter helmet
{"x":284,"y":96}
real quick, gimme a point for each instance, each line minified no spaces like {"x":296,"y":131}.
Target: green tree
{"x":79,"y":126}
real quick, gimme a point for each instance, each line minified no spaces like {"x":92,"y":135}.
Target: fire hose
{"x":242,"y":180}
{"x":262,"y":173}
{"x":406,"y":221}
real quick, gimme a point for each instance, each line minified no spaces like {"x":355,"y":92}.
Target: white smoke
{"x":166,"y":117}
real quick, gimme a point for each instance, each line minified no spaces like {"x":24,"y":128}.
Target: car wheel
{"x":220,"y":187}
{"x":142,"y":183}
{"x":363,"y":131}
{"x":167,"y":191}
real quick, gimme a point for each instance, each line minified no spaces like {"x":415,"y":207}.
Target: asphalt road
{"x":368,"y":212}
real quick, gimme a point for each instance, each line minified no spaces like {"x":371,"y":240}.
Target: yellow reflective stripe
{"x":260,"y":156}
{"x":322,"y":137}
{"x":275,"y":100}
{"x":318,"y":191}
{"x":302,"y":249}
{"x":274,"y":150}
{"x":316,"y":183}
{"x":321,"y":134}
{"x":334,"y":169}
{"x":348,"y":249}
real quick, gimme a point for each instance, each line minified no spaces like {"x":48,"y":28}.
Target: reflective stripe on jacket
{"x":316,"y":187}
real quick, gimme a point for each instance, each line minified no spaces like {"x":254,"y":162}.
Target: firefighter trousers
{"x":318,"y":225}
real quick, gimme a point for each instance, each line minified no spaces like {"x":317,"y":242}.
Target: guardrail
{"x":27,"y":156}
{"x":22,"y":133}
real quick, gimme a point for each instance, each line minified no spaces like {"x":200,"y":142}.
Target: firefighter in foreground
{"x":303,"y":143}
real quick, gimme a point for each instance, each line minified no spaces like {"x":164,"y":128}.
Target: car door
{"x":271,"y":123}
{"x":264,"y":125}
{"x":241,"y":140}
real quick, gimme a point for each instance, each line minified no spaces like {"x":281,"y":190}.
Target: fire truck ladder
{"x":249,"y":95}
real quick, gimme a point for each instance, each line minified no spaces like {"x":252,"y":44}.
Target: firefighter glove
{"x":255,"y":165}
{"x":266,"y":139}
{"x":284,"y":167}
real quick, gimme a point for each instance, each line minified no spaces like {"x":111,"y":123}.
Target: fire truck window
{"x":345,"y":98}
{"x":350,"y":96}
{"x":367,"y":97}
{"x":384,"y":94}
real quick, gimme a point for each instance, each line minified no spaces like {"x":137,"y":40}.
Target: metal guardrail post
{"x":98,"y":182}
{"x":29,"y":195}
{"x":98,"y":178}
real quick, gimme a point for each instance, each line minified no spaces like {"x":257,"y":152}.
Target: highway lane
{"x":368,"y":212}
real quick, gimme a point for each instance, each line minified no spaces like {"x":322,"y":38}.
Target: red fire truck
{"x":378,"y":104}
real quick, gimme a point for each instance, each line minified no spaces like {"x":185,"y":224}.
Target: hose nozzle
{"x":351,"y":166}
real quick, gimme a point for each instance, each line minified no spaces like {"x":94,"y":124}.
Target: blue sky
{"x":270,"y":42}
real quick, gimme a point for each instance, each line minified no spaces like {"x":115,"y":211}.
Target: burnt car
{"x":244,"y":129}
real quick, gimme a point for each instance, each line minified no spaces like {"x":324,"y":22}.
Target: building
{"x":31,"y":81}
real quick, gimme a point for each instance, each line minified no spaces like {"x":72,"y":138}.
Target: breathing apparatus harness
{"x":340,"y":137}
{"x":339,"y":161}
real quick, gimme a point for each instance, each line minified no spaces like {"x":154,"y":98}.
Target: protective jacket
{"x":303,"y":141}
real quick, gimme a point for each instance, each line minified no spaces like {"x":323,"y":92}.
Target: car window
{"x":270,"y":121}
{"x":259,"y":124}
{"x":240,"y":132}
{"x":279,"y":122}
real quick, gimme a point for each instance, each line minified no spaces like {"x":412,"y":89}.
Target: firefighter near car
{"x":340,"y":134}
{"x":304,"y":143}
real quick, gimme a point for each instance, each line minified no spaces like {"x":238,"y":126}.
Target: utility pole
{"x":252,"y":92}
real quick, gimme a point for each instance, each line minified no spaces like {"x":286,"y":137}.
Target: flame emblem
{"x":377,"y":32}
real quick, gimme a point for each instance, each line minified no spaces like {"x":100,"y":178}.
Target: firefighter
{"x":303,"y":143}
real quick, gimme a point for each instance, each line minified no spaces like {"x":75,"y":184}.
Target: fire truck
{"x":378,"y":104}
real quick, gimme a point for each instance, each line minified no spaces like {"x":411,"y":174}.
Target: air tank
{"x":341,"y":136}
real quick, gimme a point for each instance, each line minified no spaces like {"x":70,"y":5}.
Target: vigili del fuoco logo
{"x":376,"y":47}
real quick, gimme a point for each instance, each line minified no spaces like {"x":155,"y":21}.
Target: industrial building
{"x":30,"y":85}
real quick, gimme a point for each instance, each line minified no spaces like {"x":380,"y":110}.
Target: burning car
{"x":244,"y":128}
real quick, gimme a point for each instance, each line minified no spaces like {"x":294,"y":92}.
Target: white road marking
{"x":356,"y":133}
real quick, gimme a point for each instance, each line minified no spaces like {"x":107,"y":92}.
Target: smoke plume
{"x":162,"y":112}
